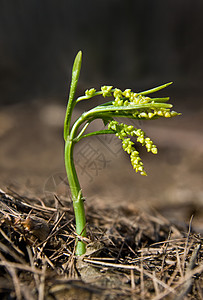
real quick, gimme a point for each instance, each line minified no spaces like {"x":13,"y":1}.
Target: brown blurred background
{"x":127,"y":44}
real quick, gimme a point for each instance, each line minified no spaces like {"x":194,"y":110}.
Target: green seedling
{"x":123,"y":104}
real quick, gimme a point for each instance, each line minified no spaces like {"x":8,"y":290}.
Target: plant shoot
{"x":122,"y":104}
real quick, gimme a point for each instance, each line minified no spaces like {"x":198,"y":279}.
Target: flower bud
{"x":160,"y":113}
{"x":90,"y":93}
{"x":106,"y":90}
{"x":127,"y":93}
{"x":154,"y":149}
{"x":167,"y":114}
{"x":150,"y":115}
{"x":143,"y":115}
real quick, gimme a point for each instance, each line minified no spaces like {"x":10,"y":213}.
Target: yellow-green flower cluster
{"x":149,"y":108}
{"x":128,"y":98}
{"x":145,"y":141}
{"x":124,"y":130}
{"x":154,"y":113}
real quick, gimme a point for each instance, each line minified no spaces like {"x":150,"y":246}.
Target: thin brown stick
{"x":129,"y":267}
{"x":11,"y":243}
{"x":132,"y":276}
{"x":165,"y":246}
{"x":9,"y":251}
{"x":20,"y":267}
{"x":188,"y":283}
{"x":186,"y":242}
{"x":179,"y":263}
{"x":156,"y":286}
{"x":36,"y":276}
{"x":41,"y":288}
{"x":142,"y":288}
{"x":12,"y":271}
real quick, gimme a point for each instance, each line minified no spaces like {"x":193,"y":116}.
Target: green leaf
{"x":160,"y":100}
{"x":74,"y":82}
{"x":149,"y":105}
{"x":155,"y":89}
{"x":77,"y":66}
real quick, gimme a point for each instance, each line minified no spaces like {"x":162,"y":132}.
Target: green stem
{"x":78,"y":204}
{"x":75,"y":188}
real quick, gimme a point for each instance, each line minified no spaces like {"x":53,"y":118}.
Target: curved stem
{"x":77,"y":198}
{"x":100,"y":132}
{"x":81,"y":132}
{"x":85,"y":97}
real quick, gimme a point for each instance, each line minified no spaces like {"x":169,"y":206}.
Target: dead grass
{"x":130,"y":254}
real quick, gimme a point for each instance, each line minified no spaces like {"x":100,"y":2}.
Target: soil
{"x":144,"y":233}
